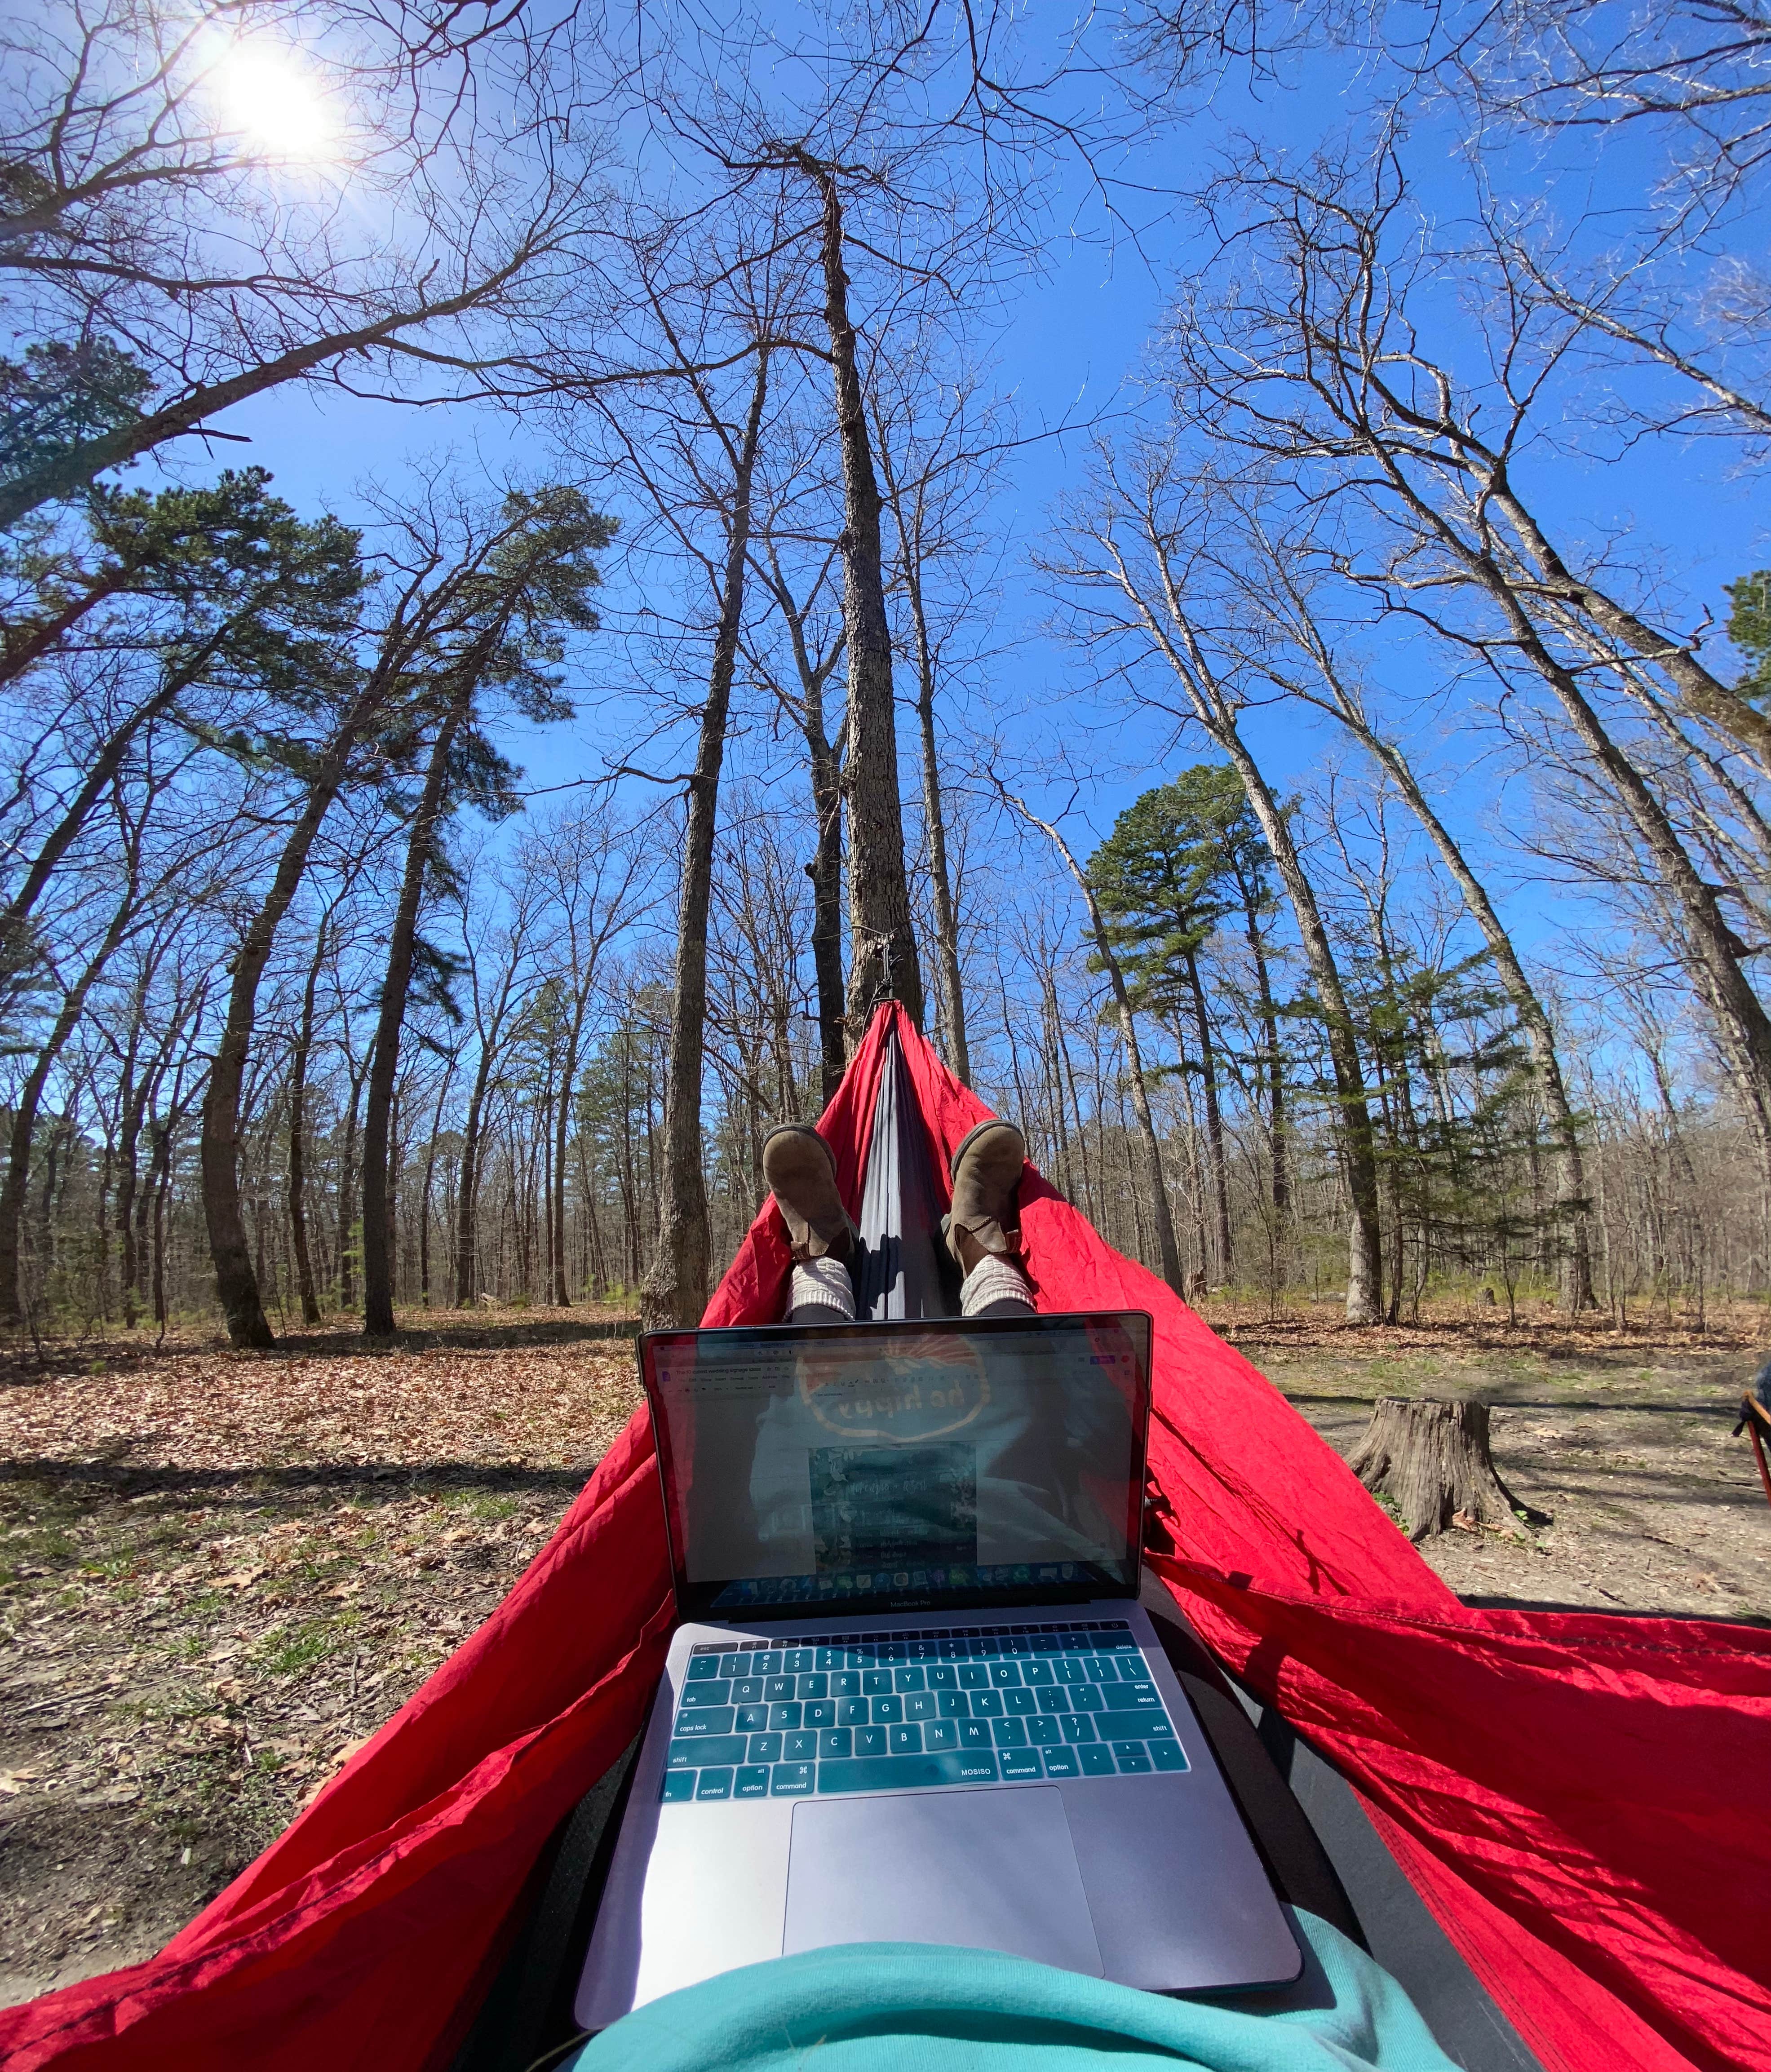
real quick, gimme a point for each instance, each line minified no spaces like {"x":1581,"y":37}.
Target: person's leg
{"x":984,"y":1230}
{"x":801,"y":1171}
{"x":996,"y":1288}
{"x":820,"y":1292}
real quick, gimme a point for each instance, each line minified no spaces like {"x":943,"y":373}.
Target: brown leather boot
{"x":986,"y":1170}
{"x":801,"y":1170}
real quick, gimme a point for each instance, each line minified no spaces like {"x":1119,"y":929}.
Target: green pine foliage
{"x":1175,"y":864}
{"x":1749,"y":628}
{"x":1185,"y":880}
{"x":60,"y":395}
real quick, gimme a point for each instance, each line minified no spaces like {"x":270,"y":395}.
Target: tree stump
{"x":1431,"y":1457}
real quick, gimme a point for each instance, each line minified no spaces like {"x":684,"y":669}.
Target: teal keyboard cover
{"x":904,"y":1712}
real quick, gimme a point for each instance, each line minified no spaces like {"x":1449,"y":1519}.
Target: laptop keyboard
{"x":827,"y":1713}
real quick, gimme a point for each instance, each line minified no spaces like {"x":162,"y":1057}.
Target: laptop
{"x":913,"y":1697}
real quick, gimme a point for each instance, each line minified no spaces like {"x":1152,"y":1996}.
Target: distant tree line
{"x":315,"y":1002}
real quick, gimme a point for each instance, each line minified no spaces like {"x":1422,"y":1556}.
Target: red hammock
{"x":1581,"y":1799}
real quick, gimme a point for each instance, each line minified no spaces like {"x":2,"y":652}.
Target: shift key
{"x":721,"y":1751}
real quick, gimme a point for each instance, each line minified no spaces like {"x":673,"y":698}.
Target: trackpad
{"x":988,"y":1870}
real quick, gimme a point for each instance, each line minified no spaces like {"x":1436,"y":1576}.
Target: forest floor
{"x":219,"y":1573}
{"x":1623,"y":1437}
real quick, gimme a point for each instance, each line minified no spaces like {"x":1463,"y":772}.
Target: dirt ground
{"x":1623,"y":1438}
{"x":219,"y":1573}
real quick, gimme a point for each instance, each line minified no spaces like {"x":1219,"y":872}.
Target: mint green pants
{"x":907,"y":2007}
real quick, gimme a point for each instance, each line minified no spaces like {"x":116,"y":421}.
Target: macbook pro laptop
{"x":913,"y":1697}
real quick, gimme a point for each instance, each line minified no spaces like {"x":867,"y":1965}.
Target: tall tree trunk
{"x":825,"y":871}
{"x":395,"y":989}
{"x":1214,"y":1121}
{"x":467,"y":1206}
{"x":569,"y":1073}
{"x":882,"y":952}
{"x":824,"y":762}
{"x":235,"y":1282}
{"x":102,"y":1265}
{"x":298,"y":1135}
{"x":143,"y":1217}
{"x":674,"y":1291}
{"x":13,"y":1188}
{"x":430,"y":1173}
{"x":395,"y":1167}
{"x":1576,"y":1276}
{"x":159,"y":1187}
{"x":132,"y":1095}
{"x":1365,"y":1246}
{"x":946,"y":924}
{"x":1277,"y":1120}
{"x":1166,"y":1244}
{"x":347,"y":1197}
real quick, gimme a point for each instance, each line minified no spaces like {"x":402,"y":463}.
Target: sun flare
{"x":275,"y":104}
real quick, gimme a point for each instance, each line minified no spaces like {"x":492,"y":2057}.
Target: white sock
{"x":993,"y":1279}
{"x":821,"y":1284}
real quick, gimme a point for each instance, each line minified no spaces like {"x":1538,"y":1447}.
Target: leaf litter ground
{"x":220,"y":1573}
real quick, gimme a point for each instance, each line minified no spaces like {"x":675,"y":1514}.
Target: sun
{"x":275,"y":104}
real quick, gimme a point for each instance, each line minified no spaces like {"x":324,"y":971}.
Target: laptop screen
{"x":893,"y":1466}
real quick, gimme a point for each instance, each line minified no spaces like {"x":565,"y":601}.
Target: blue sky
{"x":1072,"y":339}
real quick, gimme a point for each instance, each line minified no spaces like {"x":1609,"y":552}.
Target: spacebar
{"x":904,"y":1773}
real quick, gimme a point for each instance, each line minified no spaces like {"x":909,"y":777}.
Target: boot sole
{"x":804,"y":1131}
{"x":797,"y":1129}
{"x":972,"y":1137}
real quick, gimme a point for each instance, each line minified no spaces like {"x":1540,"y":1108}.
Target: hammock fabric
{"x":1579,"y":1799}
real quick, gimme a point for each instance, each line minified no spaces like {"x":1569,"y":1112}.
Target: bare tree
{"x":591,"y":874}
{"x":1692,"y":70}
{"x":1269,"y":578}
{"x":882,"y":957}
{"x":1169,"y":1250}
{"x":154,"y":190}
{"x":495,"y":996}
{"x":303,"y":1050}
{"x":1324,"y":375}
{"x":937,"y":465}
{"x":520,"y":587}
{"x":816,"y":648}
{"x":935,"y":145}
{"x":676,"y":1287}
{"x":146,"y":880}
{"x":1132,"y":555}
